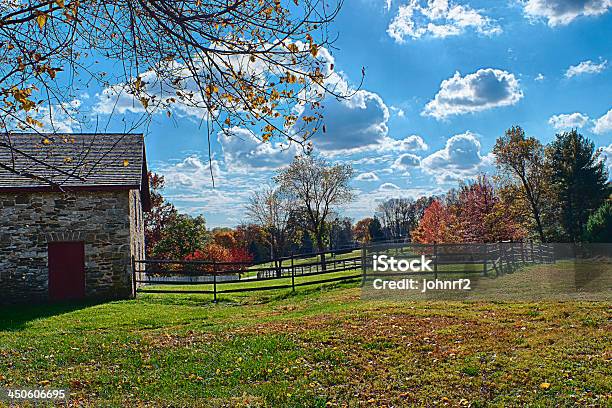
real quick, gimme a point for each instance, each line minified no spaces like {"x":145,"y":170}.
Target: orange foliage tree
{"x":436,"y":225}
{"x":475,"y":214}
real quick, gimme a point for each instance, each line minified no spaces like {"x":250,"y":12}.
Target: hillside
{"x":317,"y":347}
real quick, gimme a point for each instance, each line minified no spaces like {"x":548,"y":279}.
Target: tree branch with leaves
{"x":255,"y":64}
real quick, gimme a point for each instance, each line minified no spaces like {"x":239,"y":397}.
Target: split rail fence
{"x":214,"y":278}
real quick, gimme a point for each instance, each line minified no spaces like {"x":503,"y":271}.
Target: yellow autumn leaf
{"x":545,"y":386}
{"x":46,"y":141}
{"x":138,"y":83}
{"x":60,"y":3}
{"x":41,"y":20}
{"x":314,"y":50}
{"x":145,"y":102}
{"x":126,"y":163}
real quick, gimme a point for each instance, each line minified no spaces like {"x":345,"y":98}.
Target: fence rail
{"x":490,"y":259}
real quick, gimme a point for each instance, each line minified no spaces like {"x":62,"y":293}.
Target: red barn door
{"x":66,"y":270}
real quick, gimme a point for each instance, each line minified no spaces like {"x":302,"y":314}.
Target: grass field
{"x":315,"y":347}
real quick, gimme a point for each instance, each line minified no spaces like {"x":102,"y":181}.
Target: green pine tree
{"x":599,"y":225}
{"x":579,"y":177}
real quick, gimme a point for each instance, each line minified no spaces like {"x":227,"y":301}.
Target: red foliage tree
{"x":475,"y":214}
{"x":436,"y":225}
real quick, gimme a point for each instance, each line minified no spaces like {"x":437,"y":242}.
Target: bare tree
{"x":270,"y":210}
{"x":246,"y":63}
{"x":396,"y":215}
{"x":316,"y":188}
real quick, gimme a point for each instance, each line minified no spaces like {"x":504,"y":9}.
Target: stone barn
{"x":71,"y":215}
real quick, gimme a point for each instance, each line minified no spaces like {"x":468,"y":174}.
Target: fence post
{"x":363,"y":265}
{"x":435,"y":256}
{"x":292,"y":274}
{"x":486,"y":256}
{"x":214,"y":282}
{"x":134,"y":276}
{"x":502,"y":257}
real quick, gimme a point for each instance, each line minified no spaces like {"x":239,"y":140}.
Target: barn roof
{"x":75,"y":161}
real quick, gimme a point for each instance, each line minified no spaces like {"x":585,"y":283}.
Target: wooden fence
{"x":491,"y":259}
{"x":487,"y":259}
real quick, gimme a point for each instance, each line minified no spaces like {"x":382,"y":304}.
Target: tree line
{"x":550,"y":193}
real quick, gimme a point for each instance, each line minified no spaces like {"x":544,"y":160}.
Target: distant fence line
{"x":491,"y":259}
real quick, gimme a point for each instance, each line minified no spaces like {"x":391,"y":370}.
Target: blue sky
{"x":443,"y":80}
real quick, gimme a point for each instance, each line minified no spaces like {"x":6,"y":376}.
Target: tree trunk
{"x":534,"y":209}
{"x":321,"y":249}
{"x":536,"y":215}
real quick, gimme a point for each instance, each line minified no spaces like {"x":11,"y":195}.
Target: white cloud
{"x":604,"y":123}
{"x":388,"y":187}
{"x":585,"y":67}
{"x":485,"y":89}
{"x":540,"y":77}
{"x":562,"y":12}
{"x":190,"y":173}
{"x":398,"y":111}
{"x":568,"y":121}
{"x":438,"y":19}
{"x":407,"y":161}
{"x":243,"y":151}
{"x":369,"y":176}
{"x":459,"y":159}
{"x":606,"y":153}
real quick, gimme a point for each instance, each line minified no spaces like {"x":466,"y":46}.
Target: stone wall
{"x":137,"y":228}
{"x":102,"y":220}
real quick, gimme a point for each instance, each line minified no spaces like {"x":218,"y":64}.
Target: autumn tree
{"x":162,"y":212}
{"x":315,"y":188}
{"x":246,"y":63}
{"x":361,"y":231}
{"x":437,"y":225}
{"x":224,"y":237}
{"x":253,"y":239}
{"x":521,"y":161}
{"x":480,"y":214}
{"x":579,"y":178}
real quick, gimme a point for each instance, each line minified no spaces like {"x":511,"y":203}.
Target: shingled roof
{"x":75,"y":161}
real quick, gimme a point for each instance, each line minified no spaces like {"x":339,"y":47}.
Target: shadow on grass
{"x":16,"y":317}
{"x":247,"y":298}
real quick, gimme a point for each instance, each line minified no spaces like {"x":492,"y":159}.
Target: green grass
{"x":315,"y":347}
